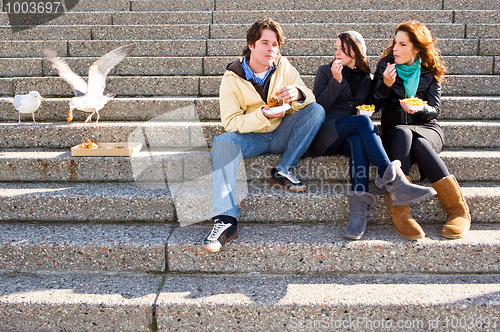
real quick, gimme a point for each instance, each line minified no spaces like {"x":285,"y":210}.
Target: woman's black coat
{"x":339,"y":100}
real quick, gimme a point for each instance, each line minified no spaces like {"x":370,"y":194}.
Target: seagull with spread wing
{"x":89,"y":97}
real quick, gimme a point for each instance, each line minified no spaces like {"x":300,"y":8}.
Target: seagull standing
{"x":28,"y":103}
{"x":89,"y":97}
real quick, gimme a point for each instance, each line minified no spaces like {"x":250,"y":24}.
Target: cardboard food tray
{"x":108,"y":150}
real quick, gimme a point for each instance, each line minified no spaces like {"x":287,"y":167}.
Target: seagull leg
{"x":33,"y":116}
{"x":97,"y":117}
{"x":19,"y":123}
{"x":89,"y":117}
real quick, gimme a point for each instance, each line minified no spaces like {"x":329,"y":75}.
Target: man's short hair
{"x":255,"y":32}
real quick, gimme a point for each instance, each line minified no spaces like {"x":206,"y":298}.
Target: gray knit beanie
{"x":359,"y":40}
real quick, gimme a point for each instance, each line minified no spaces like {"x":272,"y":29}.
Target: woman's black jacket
{"x":339,"y":100}
{"x":387,"y":98}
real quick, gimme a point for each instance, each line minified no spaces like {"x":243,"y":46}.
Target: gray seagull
{"x":89,"y":97}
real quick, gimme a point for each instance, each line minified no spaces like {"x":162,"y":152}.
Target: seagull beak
{"x":43,"y":99}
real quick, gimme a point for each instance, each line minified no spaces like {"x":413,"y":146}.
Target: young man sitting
{"x":247,"y":85}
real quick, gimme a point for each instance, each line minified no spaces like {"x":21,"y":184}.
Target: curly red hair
{"x":421,"y":38}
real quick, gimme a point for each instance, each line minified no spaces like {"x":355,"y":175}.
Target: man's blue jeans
{"x":292,"y":138}
{"x":359,"y":140}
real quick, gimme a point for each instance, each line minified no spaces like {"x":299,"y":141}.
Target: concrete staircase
{"x":95,"y":243}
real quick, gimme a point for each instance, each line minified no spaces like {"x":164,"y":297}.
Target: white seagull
{"x":89,"y":97}
{"x":27,"y":104}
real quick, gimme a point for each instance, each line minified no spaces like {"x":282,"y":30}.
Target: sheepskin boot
{"x":406,"y":226}
{"x":402,"y":191}
{"x":450,"y":195}
{"x":360,"y":208}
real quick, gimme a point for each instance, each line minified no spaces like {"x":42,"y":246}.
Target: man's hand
{"x":390,"y":74}
{"x":271,"y":116}
{"x":337,"y":70}
{"x":290,"y":93}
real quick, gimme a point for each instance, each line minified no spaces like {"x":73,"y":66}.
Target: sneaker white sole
{"x":273,"y":183}
{"x":232,"y":237}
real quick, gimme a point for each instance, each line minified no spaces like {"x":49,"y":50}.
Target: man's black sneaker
{"x":287,"y":181}
{"x":221,"y":233}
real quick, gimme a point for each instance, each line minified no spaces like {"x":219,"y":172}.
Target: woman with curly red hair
{"x":412,"y":66}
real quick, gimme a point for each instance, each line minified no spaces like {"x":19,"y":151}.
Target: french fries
{"x":413,"y":101}
{"x":368,"y":108}
{"x":88,"y":145}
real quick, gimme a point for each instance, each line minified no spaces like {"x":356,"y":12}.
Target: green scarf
{"x":410,"y":76}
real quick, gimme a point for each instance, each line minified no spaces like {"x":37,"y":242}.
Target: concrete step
{"x":104,"y":32}
{"x":368,"y":30}
{"x":40,"y":165}
{"x":46,"y":32}
{"x":282,"y":303}
{"x":306,"y":16}
{"x":337,"y":16}
{"x":171,"y":5}
{"x":490,"y":47}
{"x":224,"y":47}
{"x":117,"y":18}
{"x":454,"y":85}
{"x":82,"y":5}
{"x":308,"y":65}
{"x":83,"y":247}
{"x":69,"y":18}
{"x":484,"y":31}
{"x":321,"y":249}
{"x":477,"y":16}
{"x":167,"y":134}
{"x":193,"y":16}
{"x":325,"y":201}
{"x":202,"y":109}
{"x":77,"y":302}
{"x":181,"y":66}
{"x":229,"y":31}
{"x":159,"y":134}
{"x":476,"y":5}
{"x":337,"y":4}
{"x":96,"y":48}
{"x":314,"y":249}
{"x":325,"y":46}
{"x":140,"y":109}
{"x":84,"y":202}
{"x":141,"y":86}
{"x":248,"y":302}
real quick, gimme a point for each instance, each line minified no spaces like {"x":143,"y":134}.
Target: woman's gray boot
{"x":402,"y":191}
{"x":360,"y":208}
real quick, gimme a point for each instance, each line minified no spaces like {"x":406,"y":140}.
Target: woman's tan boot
{"x":450,"y":195}
{"x":406,"y":226}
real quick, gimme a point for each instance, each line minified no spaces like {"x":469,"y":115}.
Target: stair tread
{"x":322,"y":249}
{"x":268,"y":302}
{"x":258,"y":202}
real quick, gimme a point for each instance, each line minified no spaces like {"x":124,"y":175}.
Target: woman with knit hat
{"x":340,"y":87}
